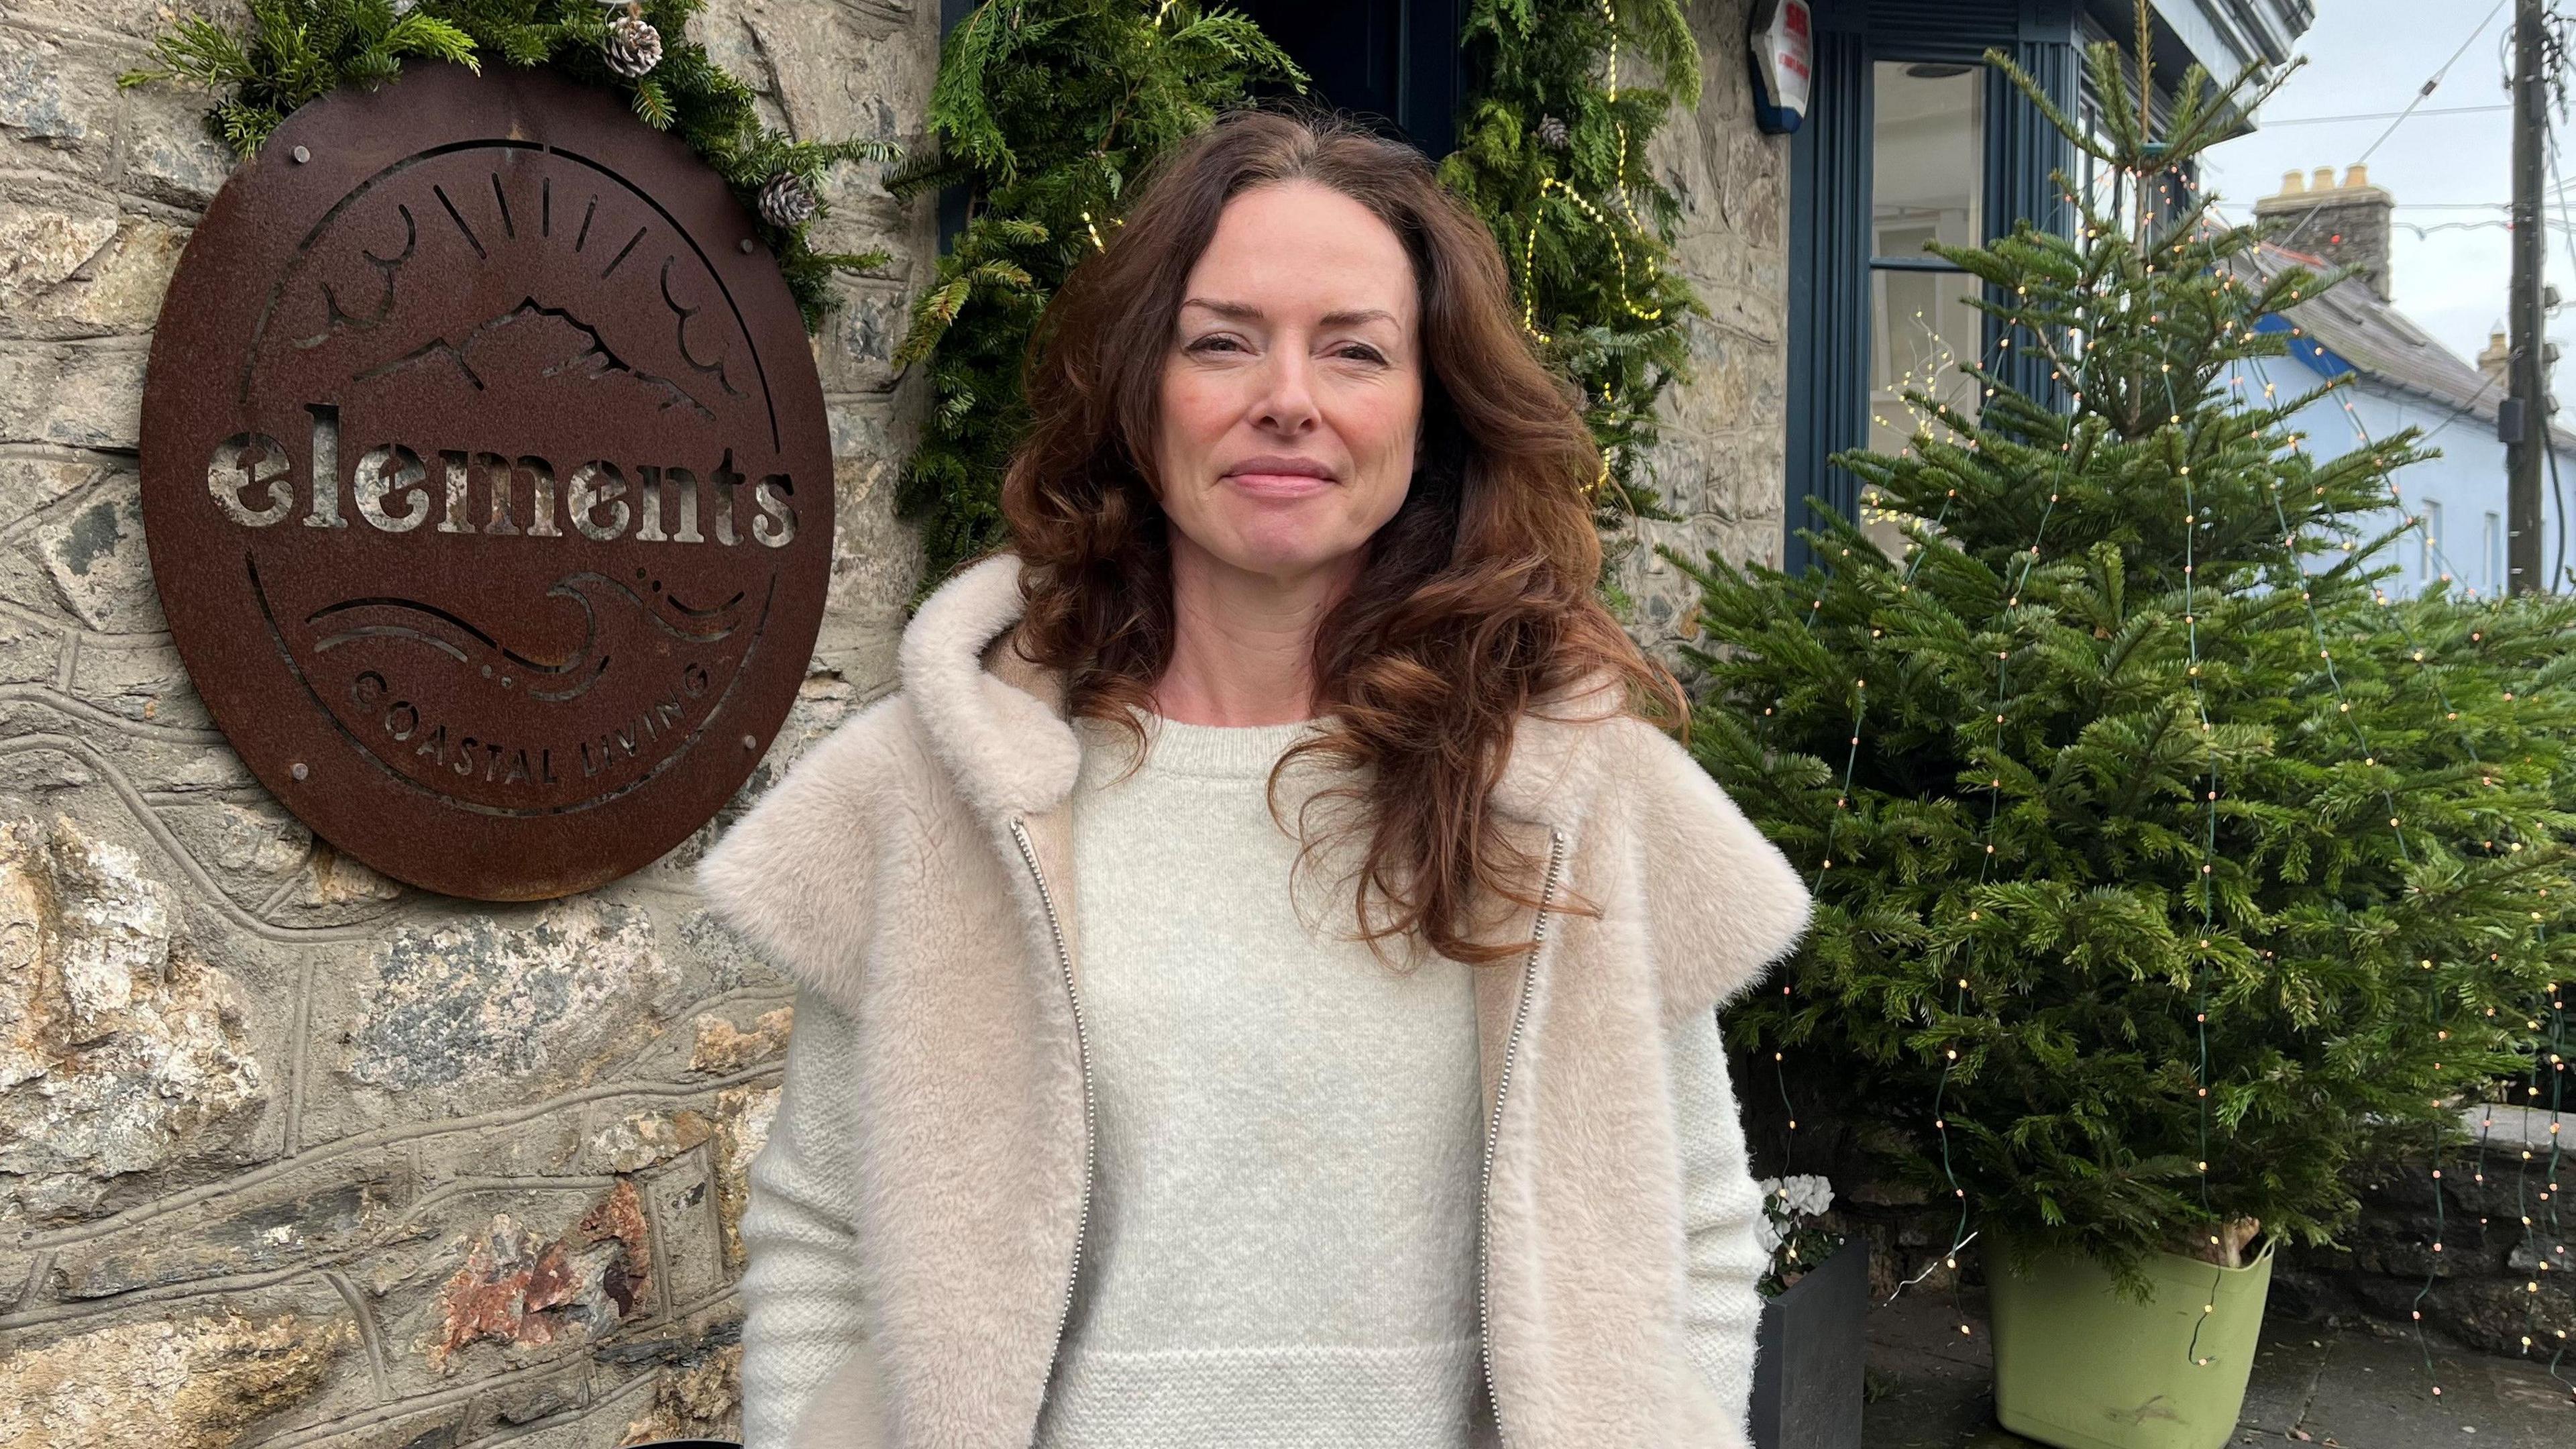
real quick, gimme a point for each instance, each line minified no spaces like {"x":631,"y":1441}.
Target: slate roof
{"x":2351,"y":322}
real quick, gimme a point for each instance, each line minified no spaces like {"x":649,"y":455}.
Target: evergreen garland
{"x":1043,"y":109}
{"x":1552,"y":154}
{"x":2160,"y":867}
{"x":293,"y":52}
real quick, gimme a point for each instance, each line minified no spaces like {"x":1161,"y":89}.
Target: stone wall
{"x":293,"y":1155}
{"x":2498,"y":1279}
{"x":1724,"y":447}
{"x":290,"y":1154}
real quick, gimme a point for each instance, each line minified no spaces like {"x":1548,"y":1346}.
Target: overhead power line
{"x":2434,"y":80}
{"x":2383,"y":115}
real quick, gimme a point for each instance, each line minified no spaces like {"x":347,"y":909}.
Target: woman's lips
{"x":1279,"y":485}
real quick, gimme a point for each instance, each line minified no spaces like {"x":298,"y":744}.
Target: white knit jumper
{"x":1282,"y":1241}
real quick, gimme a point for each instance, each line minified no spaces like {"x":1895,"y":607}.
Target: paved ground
{"x":2349,"y":1386}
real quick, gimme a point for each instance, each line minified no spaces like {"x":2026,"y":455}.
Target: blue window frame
{"x":1847,"y":264}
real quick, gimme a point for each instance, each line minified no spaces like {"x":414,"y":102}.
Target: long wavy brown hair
{"x":1476,"y":600}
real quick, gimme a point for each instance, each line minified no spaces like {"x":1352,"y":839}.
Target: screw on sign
{"x":486,"y":480}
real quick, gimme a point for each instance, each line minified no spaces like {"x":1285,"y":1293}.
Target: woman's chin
{"x":1280,"y":554}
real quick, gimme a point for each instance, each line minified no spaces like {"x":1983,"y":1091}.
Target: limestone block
{"x":725,"y":1048}
{"x":842,"y":71}
{"x":303,"y":1216}
{"x":516,"y":1274}
{"x":728,"y":957}
{"x":876,"y":556}
{"x":2540,"y":1256}
{"x":335,"y":889}
{"x":197,"y":1381}
{"x":743,"y":1115}
{"x":122,"y":1050}
{"x":29,"y":653}
{"x":58,"y":104}
{"x":629,"y":1141}
{"x":538,"y":998}
{"x":700,"y":1401}
{"x":96,"y":557}
{"x":139,"y":678}
{"x":512,"y":1289}
{"x":169,"y":157}
{"x":70,"y":266}
{"x":2494,"y":1314}
{"x":854,"y":350}
{"x":77,"y":394}
{"x":250,"y":845}
{"x":30,"y":481}
{"x":48,"y":232}
{"x":681,"y":1197}
{"x":521,"y":1402}
{"x":137,"y":19}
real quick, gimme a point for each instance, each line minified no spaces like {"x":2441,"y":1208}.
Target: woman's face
{"x":1292,"y":393}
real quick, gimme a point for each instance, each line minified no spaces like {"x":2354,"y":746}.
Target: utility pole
{"x":2523,"y":421}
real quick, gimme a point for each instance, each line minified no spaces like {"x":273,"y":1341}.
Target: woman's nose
{"x":1287,"y":401}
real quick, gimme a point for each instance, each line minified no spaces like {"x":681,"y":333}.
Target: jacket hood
{"x":995,"y":721}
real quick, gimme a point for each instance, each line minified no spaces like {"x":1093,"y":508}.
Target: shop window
{"x":1927,"y":184}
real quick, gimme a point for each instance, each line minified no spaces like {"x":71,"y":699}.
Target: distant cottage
{"x":2403,"y":378}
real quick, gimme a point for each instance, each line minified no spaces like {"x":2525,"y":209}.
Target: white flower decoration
{"x":1808,"y":1195}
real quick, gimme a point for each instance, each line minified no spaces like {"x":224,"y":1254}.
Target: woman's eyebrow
{"x":1246,"y":312}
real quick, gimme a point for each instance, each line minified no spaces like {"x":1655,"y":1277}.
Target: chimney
{"x":2496,"y":359}
{"x":2347,"y":224}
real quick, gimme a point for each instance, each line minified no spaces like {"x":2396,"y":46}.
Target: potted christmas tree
{"x":2158,"y":861}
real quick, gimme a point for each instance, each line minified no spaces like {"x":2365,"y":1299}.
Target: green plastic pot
{"x":2080,"y":1367}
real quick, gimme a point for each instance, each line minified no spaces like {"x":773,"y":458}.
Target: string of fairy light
{"x":2093,"y":225}
{"x":1905,"y":391}
{"x":2210,"y":798}
{"x":2415,"y":1311}
{"x":1619,"y":190}
{"x":2343,"y":708}
{"x":2419,"y":655}
{"x":2422,"y":525}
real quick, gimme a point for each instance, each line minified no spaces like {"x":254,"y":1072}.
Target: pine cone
{"x":786,"y":202}
{"x":634,"y":47}
{"x":1552,"y":133}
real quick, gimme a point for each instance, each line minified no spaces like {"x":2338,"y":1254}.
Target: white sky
{"x":2368,"y":56}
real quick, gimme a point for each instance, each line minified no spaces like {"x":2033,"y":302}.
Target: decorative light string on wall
{"x":1619,"y":189}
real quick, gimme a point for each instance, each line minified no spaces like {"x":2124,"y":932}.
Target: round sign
{"x":486,"y":480}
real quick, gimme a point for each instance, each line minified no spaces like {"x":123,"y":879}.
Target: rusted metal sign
{"x":487,"y":481}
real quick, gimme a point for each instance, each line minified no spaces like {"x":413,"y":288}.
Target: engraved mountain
{"x":533,"y":346}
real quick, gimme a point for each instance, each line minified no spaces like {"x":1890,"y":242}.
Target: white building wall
{"x":2460,"y":492}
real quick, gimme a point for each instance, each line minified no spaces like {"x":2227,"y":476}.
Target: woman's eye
{"x":1209,"y":343}
{"x":1364,"y":353}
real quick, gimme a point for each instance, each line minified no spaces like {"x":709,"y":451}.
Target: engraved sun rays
{"x":595,"y":359}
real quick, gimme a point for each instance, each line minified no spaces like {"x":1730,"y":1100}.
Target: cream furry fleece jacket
{"x":914,"y":870}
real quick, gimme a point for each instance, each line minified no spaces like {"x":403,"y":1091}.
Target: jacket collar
{"x":995,"y":721}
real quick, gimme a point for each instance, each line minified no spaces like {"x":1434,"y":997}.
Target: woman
{"x":1257,"y":977}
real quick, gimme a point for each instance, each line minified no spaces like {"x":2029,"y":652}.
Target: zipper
{"x":1493,"y":1129}
{"x":1082,"y":1053}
